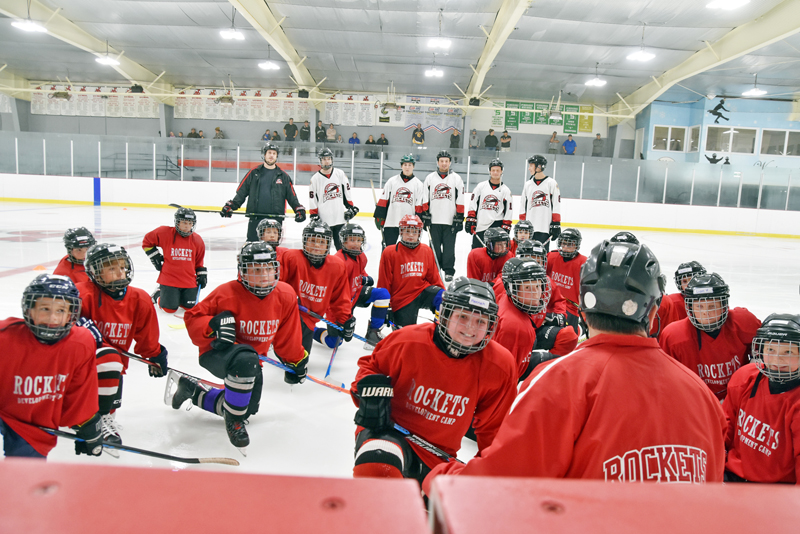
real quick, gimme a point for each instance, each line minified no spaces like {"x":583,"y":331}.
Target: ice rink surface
{"x":307,"y":429}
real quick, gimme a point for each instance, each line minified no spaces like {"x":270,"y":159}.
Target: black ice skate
{"x":110,"y":429}
{"x":373,"y":337}
{"x":237,"y":433}
{"x":154,"y":296}
{"x":187,"y":388}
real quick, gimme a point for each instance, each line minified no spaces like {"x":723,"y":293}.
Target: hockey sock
{"x":321,"y":336}
{"x":210,"y":401}
{"x":237,"y":395}
{"x":379,"y":458}
{"x":109,"y":379}
{"x":380,"y":307}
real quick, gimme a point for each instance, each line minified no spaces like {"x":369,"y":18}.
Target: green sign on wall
{"x":571,"y":121}
{"x":526,"y":117}
{"x":541,"y":117}
{"x":512,"y":117}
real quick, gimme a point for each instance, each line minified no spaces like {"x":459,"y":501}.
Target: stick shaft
{"x":324,"y":320}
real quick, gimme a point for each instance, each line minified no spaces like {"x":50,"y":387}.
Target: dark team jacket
{"x":265,"y":195}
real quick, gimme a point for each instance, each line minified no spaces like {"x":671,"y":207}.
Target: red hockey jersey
{"x":48,"y":385}
{"x":566,"y":274}
{"x":73,"y":271}
{"x":481,"y":266}
{"x":616,"y":409}
{"x":323,"y":290}
{"x":260,"y":323}
{"x":674,"y":309}
{"x":437,"y":397}
{"x":355,"y":269}
{"x":182,"y":255}
{"x":713,"y":360}
{"x":406,"y":272}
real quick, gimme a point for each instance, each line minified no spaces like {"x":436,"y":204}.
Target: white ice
{"x":306,"y":429}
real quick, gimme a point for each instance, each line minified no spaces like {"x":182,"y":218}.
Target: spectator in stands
{"x":276,"y":136}
{"x":331,"y":133}
{"x":354,"y":140}
{"x":289,"y":134}
{"x":305,"y":132}
{"x":597,"y":146}
{"x":370,"y":154}
{"x":267,"y":136}
{"x":382,"y":140}
{"x":172,"y":134}
{"x":490,"y":141}
{"x":569,"y":146}
{"x":474,"y":143}
{"x":552,"y":144}
{"x":218,"y":133}
{"x":201,"y":135}
{"x":505,"y":142}
{"x":193,"y":134}
{"x":455,"y":142}
{"x":418,"y":136}
{"x":320,"y":133}
{"x":180,"y":135}
{"x":338,"y":152}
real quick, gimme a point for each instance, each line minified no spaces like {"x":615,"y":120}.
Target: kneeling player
{"x":182,"y":274}
{"x":564,"y":268}
{"x":485,"y":264}
{"x":764,"y":415}
{"x":233,"y":325}
{"x":77,"y":241}
{"x":557,"y":307}
{"x":522,"y":230}
{"x":673,"y":306}
{"x":47,"y":372}
{"x":270,"y":231}
{"x":446,"y":376}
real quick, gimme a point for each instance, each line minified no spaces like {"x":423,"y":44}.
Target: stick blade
{"x":223,"y":461}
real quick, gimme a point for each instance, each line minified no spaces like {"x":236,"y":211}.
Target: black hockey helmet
{"x":519,"y":271}
{"x":709,"y":289}
{"x":622,"y":280}
{"x":687,"y":271}
{"x":268,"y":147}
{"x":352,"y":230}
{"x":624,"y":237}
{"x":495,"y":163}
{"x":539,"y":161}
{"x":77,"y":238}
{"x":532,"y":249}
{"x":470,"y":296}
{"x":492,"y":237}
{"x":60,"y":289}
{"x":103,"y":255}
{"x":325,"y":153}
{"x":444,"y":154}
{"x":254,"y":261}
{"x":263,"y":224}
{"x":776,"y":348}
{"x":525,"y":226}
{"x":408,"y":158}
{"x":413,"y":222}
{"x":317,"y":229}
{"x":569,"y":236}
{"x":185,"y":214}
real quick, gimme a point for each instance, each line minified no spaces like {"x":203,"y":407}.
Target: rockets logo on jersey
{"x":260,"y":331}
{"x":562,"y":280}
{"x":660,"y":463}
{"x":181,"y":254}
{"x":539,"y":198}
{"x":312,"y":292}
{"x":434,"y":404}
{"x":412,"y":268}
{"x":43,"y":387}
{"x":718,"y":373}
{"x":490,"y":203}
{"x":442,"y":192}
{"x":403,"y":194}
{"x":757,"y":435}
{"x":332,"y":191}
{"x":117,"y":333}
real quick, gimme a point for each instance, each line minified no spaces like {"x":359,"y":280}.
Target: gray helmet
{"x":466,"y":294}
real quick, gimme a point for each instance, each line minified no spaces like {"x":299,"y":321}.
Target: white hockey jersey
{"x":541,"y":204}
{"x":444,"y":197}
{"x":490,"y":204}
{"x":330,"y":196}
{"x":400,"y":198}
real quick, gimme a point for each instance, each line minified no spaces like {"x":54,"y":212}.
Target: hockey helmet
{"x":706,"y":299}
{"x":539,"y":161}
{"x":570,"y":236}
{"x":77,"y":238}
{"x":312,"y":246}
{"x":352,"y":230}
{"x":532,"y":249}
{"x":61,"y":290}
{"x":263,"y":224}
{"x":412,"y":222}
{"x":107,"y":255}
{"x":686,"y":271}
{"x":259,"y":270}
{"x":185,"y":214}
{"x":468,"y":311}
{"x":776,"y":348}
{"x":494,"y":237}
{"x":526,"y":284}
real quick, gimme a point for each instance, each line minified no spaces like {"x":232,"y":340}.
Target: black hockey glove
{"x":300,"y":214}
{"x":471,"y":225}
{"x":227,"y":209}
{"x":379,"y":222}
{"x":546,"y":337}
{"x":555,"y":230}
{"x":156,"y":258}
{"x":350,"y":212}
{"x":537,"y":357}
{"x":91,"y":434}
{"x":161,"y":360}
{"x":349,"y":328}
{"x":374,"y":393}
{"x":426,"y":220}
{"x":297,"y":375}
{"x":224,"y":327}
{"x":458,"y":222}
{"x":367,"y":281}
{"x":201,"y":274}
{"x":555,"y":319}
{"x":89,"y":325}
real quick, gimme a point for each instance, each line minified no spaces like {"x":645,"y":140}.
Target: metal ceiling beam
{"x":62,"y":28}
{"x":777,"y":24}
{"x":507,"y":17}
{"x":9,"y":80}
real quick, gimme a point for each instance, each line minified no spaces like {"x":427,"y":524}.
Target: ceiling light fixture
{"x":433,"y":72}
{"x":28,"y":25}
{"x":727,"y":5}
{"x":555,"y":115}
{"x":755,"y":91}
{"x":641,"y":55}
{"x":439,"y":42}
{"x":596,"y":81}
{"x":106,"y":59}
{"x":232,"y":32}
{"x":269,"y":64}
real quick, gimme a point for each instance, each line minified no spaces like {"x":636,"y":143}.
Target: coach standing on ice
{"x":267,"y":189}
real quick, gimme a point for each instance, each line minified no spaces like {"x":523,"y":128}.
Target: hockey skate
{"x":237,"y":433}
{"x":155,"y":295}
{"x":448,"y":278}
{"x":372,"y":338}
{"x":181,"y":387}
{"x":110,"y":429}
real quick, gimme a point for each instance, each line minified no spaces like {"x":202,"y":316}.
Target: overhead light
{"x":60,"y":95}
{"x":232,"y":32}
{"x":554,"y":116}
{"x":641,"y":55}
{"x":106,"y":59}
{"x":755,"y":91}
{"x":433,"y":72}
{"x":439,"y":41}
{"x":28,"y":25}
{"x":727,"y":5}
{"x":269,"y":65}
{"x":596,"y":81}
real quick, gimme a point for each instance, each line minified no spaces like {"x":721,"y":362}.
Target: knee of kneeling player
{"x":379,"y":458}
{"x":321,"y":336}
{"x":244,"y":363}
{"x":168,"y":310}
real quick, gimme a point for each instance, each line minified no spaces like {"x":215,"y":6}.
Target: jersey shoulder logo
{"x":403,"y":194}
{"x":331,"y":192}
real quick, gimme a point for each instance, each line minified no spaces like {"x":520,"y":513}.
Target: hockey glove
{"x":379,"y":222}
{"x":297,"y":375}
{"x":161,"y":360}
{"x":334,"y":330}
{"x":156,"y":258}
{"x":537,"y":357}
{"x":350,"y":212}
{"x":471,"y":225}
{"x":300,"y":214}
{"x":367,"y":281}
{"x":374,"y":394}
{"x":426,"y":220}
{"x":91,"y":434}
{"x":555,"y":319}
{"x":349,"y":328}
{"x":314,"y":218}
{"x":227,"y":209}
{"x":555,"y":230}
{"x":546,"y":337}
{"x":201,"y":274}
{"x":506,"y":226}
{"x":224,"y":327}
{"x":458,"y":222}
{"x":89,"y":325}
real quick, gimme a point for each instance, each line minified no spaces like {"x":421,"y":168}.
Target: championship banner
{"x":349,"y":111}
{"x":289,"y":107}
{"x":526,"y":117}
{"x":512,"y":117}
{"x":273,"y":108}
{"x":366,"y":111}
{"x":585,"y":121}
{"x":197,"y":105}
{"x":571,"y":121}
{"x":210,"y":109}
{"x":498,"y":119}
{"x":241,"y":108}
{"x":543,"y":109}
{"x":258,"y":108}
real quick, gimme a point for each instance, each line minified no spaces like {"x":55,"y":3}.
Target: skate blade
{"x":114,"y":453}
{"x":368,"y":346}
{"x":171,"y":386}
{"x":243,"y":450}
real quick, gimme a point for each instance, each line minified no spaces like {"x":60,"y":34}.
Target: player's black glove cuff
{"x":89,"y":325}
{"x":555,"y":319}
{"x":224,"y":327}
{"x":91,"y":434}
{"x":350,"y":212}
{"x":349,"y":328}
{"x":426,"y":220}
{"x":227,"y":209}
{"x":300,"y":214}
{"x":546,"y":337}
{"x":156,"y":258}
{"x":367,"y":281}
{"x":374,"y":393}
{"x":555,"y":230}
{"x":298,"y":374}
{"x":161,"y":360}
{"x":471,"y":225}
{"x":201,"y":274}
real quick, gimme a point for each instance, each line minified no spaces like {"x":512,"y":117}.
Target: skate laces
{"x":110,"y":427}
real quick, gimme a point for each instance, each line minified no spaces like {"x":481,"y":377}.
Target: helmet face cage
{"x":568,"y":238}
{"x":60,"y":289}
{"x":185,"y":214}
{"x":452,"y":313}
{"x":534,"y":250}
{"x":414,"y":223}
{"x":776,"y":348}
{"x":315,"y":232}
{"x":352,"y":230}
{"x":101,"y":257}
{"x":523,"y":226}
{"x":269,"y":223}
{"x":711,"y":305}
{"x":77,"y":238}
{"x":492,"y":237}
{"x":687,"y":271}
{"x":248,"y":266}
{"x":514,"y":288}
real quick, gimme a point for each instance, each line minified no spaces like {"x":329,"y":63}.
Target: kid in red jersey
{"x":522,"y":230}
{"x":673,"y":307}
{"x":485,"y":264}
{"x":47,"y":372}
{"x":181,"y":272}
{"x":564,"y":268}
{"x":408,"y":271}
{"x":77,"y":241}
{"x":233,"y":325}
{"x":557,"y":307}
{"x":763,"y":439}
{"x":445,"y":376}
{"x":270,"y":231}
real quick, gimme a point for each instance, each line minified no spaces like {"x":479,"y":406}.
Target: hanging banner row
{"x":86,"y":103}
{"x":539,"y":113}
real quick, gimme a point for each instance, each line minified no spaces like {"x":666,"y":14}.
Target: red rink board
{"x":472,"y":505}
{"x":47,"y":497}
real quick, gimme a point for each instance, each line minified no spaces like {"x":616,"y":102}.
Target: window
{"x":715,"y":140}
{"x":660,"y":136}
{"x":738,"y":140}
{"x":694,"y":139}
{"x":668,"y":138}
{"x":773,"y":141}
{"x":793,"y":146}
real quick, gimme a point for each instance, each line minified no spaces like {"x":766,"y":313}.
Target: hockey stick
{"x":314,"y":379}
{"x":152,"y":364}
{"x":435,"y":260}
{"x":324,"y":320}
{"x":265,"y":215}
{"x":144,"y":452}
{"x":333,"y":355}
{"x":375,"y":200}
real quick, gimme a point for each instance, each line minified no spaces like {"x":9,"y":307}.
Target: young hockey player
{"x":763,"y":439}
{"x":541,"y":202}
{"x":443,"y":212}
{"x":181,"y":272}
{"x":270,"y":231}
{"x":522,"y":230}
{"x":408,"y":271}
{"x":77,"y":241}
{"x":402,"y":195}
{"x":564,"y":268}
{"x":321,"y":284}
{"x":232,"y":326}
{"x":485,"y":264}
{"x":117,"y":314}
{"x":490,"y":206}
{"x":608,"y":410}
{"x":557,"y":307}
{"x":673,"y":304}
{"x":713,"y":341}
{"x":330,"y":195}
{"x":445,"y":376}
{"x":47,"y":372}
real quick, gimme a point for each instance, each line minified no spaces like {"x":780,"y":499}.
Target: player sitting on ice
{"x":485,"y":264}
{"x":673,"y":306}
{"x":713,"y":341}
{"x":270,"y":231}
{"x":321,"y":284}
{"x":445,"y":376}
{"x":557,"y":307}
{"x":764,"y":415}
{"x":564,"y":268}
{"x":233,"y":325}
{"x":522,"y":230}
{"x":408,"y":271}
{"x":77,"y":241}
{"x":181,"y":272}
{"x":117,"y":314}
{"x":47,"y":372}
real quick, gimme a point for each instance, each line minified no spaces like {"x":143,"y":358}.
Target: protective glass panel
{"x":774,"y":188}
{"x":113,"y":158}
{"x":195,"y":160}
{"x":729,"y":191}
{"x":651,"y":181}
{"x":623,"y":180}
{"x":168,"y":155}
{"x":85,"y":149}
{"x":679,"y":183}
{"x":57,"y":153}
{"x":567,"y":174}
{"x":8,"y":156}
{"x":772,"y":141}
{"x":595,"y":179}
{"x":31,"y":154}
{"x":706,"y":185}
